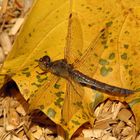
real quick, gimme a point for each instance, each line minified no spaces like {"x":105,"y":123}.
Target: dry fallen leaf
{"x":113,"y":57}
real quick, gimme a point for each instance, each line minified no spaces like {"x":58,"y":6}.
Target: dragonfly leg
{"x":41,"y":73}
{"x":74,"y":88}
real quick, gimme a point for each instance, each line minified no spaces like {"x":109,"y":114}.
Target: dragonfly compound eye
{"x":45,"y":59}
{"x":44,"y":62}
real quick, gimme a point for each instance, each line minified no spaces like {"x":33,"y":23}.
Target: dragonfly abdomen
{"x":92,"y":83}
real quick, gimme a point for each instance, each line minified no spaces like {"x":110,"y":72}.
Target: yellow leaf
{"x":49,"y":28}
{"x":96,"y":37}
{"x":39,"y":36}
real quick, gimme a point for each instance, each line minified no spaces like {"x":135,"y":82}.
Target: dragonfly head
{"x":44,"y":62}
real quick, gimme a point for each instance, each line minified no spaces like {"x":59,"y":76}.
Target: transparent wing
{"x":49,"y":98}
{"x":74,"y":41}
{"x":73,"y":100}
{"x":88,"y":62}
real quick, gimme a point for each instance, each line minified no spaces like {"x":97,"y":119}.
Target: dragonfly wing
{"x":73,"y":100}
{"x":49,"y":98}
{"x":88,"y":62}
{"x":74,"y":41}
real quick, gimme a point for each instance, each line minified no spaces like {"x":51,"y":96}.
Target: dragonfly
{"x":66,"y":70}
{"x":77,"y":69}
{"x":63,"y":69}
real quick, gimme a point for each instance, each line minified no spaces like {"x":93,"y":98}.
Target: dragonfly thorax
{"x":58,"y":67}
{"x":61,"y":68}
